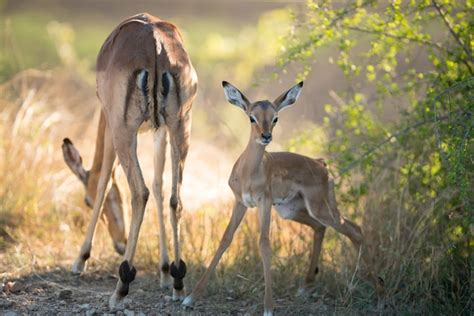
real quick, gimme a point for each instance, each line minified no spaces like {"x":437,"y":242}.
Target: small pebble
{"x":90,"y":312}
{"x":84,"y":306}
{"x":5,"y":303}
{"x":129,"y":312}
{"x":64,"y":294}
{"x":14,"y":287}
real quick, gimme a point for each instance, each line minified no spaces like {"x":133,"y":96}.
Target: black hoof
{"x":178,"y":274}
{"x":165,"y":268}
{"x":86,"y":256}
{"x":127,"y":275}
{"x":173,"y":202}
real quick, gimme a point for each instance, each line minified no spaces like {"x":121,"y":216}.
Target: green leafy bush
{"x":413,"y":175}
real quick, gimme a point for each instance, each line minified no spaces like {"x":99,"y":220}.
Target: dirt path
{"x":58,"y":292}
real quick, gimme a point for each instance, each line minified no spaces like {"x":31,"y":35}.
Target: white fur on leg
{"x":178,"y":295}
{"x":78,"y":266}
{"x":188,"y":301}
{"x":268,"y":313}
{"x":165,"y":280}
{"x":116,"y":302}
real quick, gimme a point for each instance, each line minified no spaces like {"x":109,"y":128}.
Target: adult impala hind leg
{"x":125,"y":141}
{"x":237,"y":215}
{"x":159,"y":139}
{"x":105,"y":173}
{"x":179,"y":130}
{"x":112,"y":210}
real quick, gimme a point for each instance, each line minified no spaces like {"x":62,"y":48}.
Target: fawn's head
{"x":263,"y":114}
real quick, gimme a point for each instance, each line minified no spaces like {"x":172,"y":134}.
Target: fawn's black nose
{"x":266,"y":136}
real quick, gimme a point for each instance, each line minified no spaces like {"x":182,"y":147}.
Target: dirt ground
{"x":58,"y":292}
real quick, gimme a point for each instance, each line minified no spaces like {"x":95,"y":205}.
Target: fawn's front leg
{"x":237,"y":215}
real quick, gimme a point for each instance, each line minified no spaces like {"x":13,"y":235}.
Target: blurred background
{"x":387,"y":102}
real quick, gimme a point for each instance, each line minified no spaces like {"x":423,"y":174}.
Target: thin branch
{"x":454,"y":34}
{"x":388,"y":139}
{"x":451,"y":30}
{"x":435,"y":120}
{"x":422,"y":41}
{"x":334,"y":21}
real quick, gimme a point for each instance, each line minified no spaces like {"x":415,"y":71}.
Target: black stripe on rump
{"x":131,"y":86}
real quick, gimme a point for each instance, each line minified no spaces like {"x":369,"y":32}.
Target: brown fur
{"x":146,"y":48}
{"x":299,"y":187}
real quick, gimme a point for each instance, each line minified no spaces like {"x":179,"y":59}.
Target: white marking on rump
{"x":158,"y":44}
{"x":141,"y":83}
{"x":138,"y":21}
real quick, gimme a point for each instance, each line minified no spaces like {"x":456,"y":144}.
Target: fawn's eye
{"x":275,"y":120}
{"x":252,"y":119}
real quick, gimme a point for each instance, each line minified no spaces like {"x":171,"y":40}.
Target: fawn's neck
{"x":252,"y":156}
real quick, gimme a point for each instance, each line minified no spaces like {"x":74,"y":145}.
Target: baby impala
{"x":299,"y":187}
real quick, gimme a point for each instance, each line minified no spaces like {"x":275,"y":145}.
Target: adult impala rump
{"x":143,"y":75}
{"x":299,"y":187}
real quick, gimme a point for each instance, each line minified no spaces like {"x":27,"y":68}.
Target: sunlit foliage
{"x":401,"y":143}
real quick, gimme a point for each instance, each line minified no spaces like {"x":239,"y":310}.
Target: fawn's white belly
{"x":289,"y":206}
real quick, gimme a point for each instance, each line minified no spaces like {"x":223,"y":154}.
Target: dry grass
{"x":43,"y":218}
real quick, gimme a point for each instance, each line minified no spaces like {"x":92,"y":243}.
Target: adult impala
{"x":144,"y":75}
{"x":299,"y":187}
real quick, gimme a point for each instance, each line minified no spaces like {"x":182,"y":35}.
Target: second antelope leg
{"x":105,"y":172}
{"x":125,"y":141}
{"x":179,"y":139}
{"x":112,"y":209}
{"x":159,"y":163}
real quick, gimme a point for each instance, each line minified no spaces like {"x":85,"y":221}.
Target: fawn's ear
{"x":234,"y":96}
{"x":74,"y":160}
{"x":289,"y":97}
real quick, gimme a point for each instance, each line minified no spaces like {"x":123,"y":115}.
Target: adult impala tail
{"x":299,"y":187}
{"x":144,"y":75}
